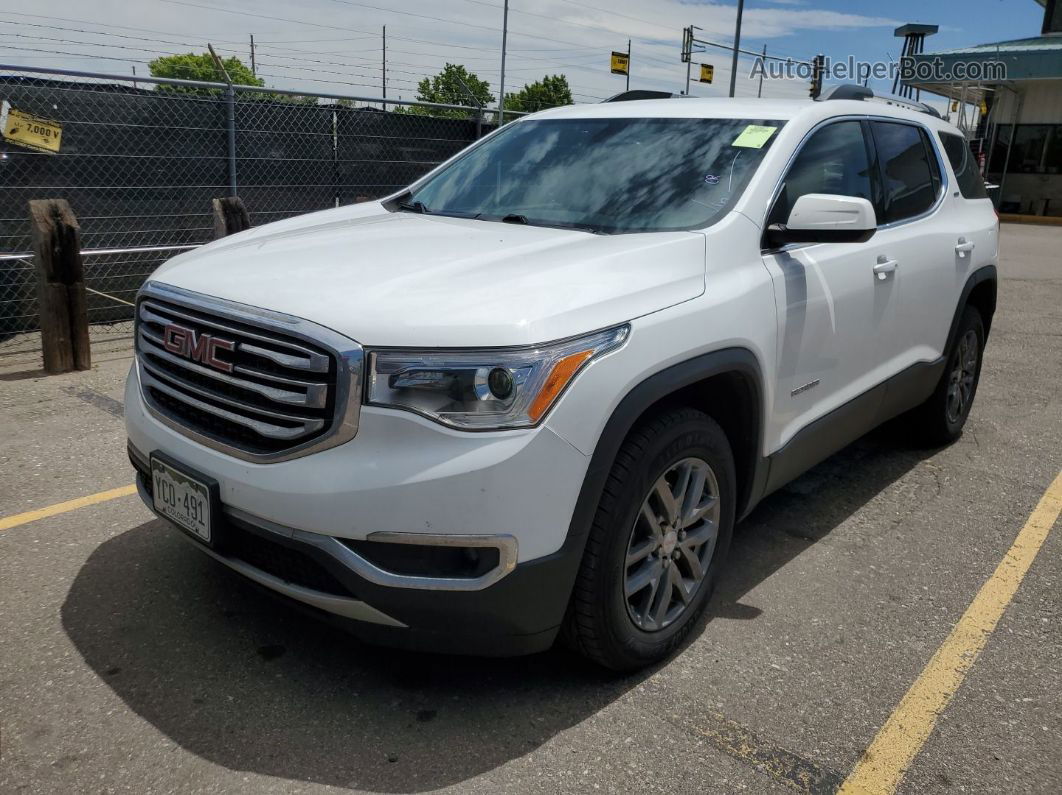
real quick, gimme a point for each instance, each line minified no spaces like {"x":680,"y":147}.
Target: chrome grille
{"x":257,"y":384}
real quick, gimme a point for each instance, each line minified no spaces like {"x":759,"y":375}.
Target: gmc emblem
{"x":187,"y":343}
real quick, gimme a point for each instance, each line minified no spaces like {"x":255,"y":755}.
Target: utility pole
{"x":763,"y":62}
{"x":818,"y":67}
{"x":737,"y":44}
{"x":687,"y":51}
{"x":230,"y":102}
{"x":383,"y":68}
{"x":501,"y":90}
{"x":628,"y":64}
{"x":253,"y":70}
{"x":134,"y":77}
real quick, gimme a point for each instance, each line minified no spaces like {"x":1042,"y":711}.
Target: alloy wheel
{"x":962,"y":376}
{"x":671,"y":544}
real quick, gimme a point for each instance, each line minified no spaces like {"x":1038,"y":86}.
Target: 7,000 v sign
{"x":33,"y":132}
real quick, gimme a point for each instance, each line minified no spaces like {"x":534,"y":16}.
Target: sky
{"x":336,"y":45}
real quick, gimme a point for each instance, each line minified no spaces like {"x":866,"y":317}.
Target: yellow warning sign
{"x":33,"y":132}
{"x":620,"y":63}
{"x":707,"y":73}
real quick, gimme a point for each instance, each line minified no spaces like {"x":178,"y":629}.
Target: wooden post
{"x":60,"y":286}
{"x":230,"y":216}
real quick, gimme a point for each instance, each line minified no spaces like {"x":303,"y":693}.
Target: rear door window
{"x":971,"y":185}
{"x":910,"y":172}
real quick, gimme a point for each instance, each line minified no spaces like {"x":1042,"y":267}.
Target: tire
{"x":941,"y":418}
{"x":624,"y":632}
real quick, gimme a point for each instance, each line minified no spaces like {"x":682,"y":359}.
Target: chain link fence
{"x":140,"y":160}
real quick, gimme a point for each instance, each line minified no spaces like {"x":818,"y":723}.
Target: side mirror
{"x":825,"y":218}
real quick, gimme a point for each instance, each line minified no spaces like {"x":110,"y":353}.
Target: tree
{"x":446,"y":88}
{"x":201,"y":67}
{"x":549,"y":92}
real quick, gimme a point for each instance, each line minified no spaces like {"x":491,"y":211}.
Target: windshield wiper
{"x":516,"y":218}
{"x":414,"y":207}
{"x":577,"y":226}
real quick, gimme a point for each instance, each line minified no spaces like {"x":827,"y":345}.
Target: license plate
{"x":183,"y":499}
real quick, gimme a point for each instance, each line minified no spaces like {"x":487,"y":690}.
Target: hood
{"x":404,"y":279}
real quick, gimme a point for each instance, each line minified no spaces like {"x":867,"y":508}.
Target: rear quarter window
{"x":971,"y":185}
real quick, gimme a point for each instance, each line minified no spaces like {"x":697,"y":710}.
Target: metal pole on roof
{"x":737,"y":44}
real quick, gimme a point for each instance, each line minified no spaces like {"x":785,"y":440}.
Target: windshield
{"x":603,"y":175}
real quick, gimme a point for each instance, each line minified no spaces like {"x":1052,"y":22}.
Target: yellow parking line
{"x":883,"y":764}
{"x":43,"y":513}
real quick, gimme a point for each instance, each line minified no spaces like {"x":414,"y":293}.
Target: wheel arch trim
{"x":984,"y":274}
{"x":651,"y":391}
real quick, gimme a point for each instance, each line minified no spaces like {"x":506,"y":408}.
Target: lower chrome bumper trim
{"x":349,"y":608}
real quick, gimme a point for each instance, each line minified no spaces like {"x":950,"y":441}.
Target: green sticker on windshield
{"x":754,"y":136}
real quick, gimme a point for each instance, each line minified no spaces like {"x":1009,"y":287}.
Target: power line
{"x":259,"y":46}
{"x":574,"y":55}
{"x":362,"y":68}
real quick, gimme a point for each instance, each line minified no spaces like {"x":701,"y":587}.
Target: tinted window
{"x":962,"y":163}
{"x":604,"y":174}
{"x":911,"y":178}
{"x":1027,"y":149}
{"x":1053,"y":155}
{"x":834,"y":160}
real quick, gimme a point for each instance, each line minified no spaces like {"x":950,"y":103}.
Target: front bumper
{"x":519,"y":614}
{"x":400,"y":474}
{"x":291,"y":526}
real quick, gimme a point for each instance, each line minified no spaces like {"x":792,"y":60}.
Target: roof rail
{"x":858,"y":92}
{"x":640,"y":93}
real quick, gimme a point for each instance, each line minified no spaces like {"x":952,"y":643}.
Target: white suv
{"x":531,"y":394}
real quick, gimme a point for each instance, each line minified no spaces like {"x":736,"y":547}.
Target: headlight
{"x":484,"y":389}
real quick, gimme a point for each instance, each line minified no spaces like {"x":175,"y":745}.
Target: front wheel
{"x":659,"y":538}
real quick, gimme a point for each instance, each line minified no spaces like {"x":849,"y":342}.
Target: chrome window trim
{"x":350,"y":370}
{"x":945,"y":179}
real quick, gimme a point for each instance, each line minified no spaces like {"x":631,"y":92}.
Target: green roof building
{"x":1015,"y":89}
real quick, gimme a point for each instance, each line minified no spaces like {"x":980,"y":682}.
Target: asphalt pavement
{"x":132,"y":662}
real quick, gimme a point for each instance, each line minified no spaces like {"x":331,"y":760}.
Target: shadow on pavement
{"x":239,"y":679}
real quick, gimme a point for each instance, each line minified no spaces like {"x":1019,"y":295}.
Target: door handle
{"x":963,"y":247}
{"x":884,"y":267}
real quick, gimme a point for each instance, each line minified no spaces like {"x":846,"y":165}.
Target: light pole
{"x":628,"y":64}
{"x":501,"y":90}
{"x":687,"y":51}
{"x":763,"y":62}
{"x":737,"y":43}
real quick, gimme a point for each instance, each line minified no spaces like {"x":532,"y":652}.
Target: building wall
{"x":1042,"y":104}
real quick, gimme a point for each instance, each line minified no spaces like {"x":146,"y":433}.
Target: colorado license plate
{"x":181,"y":498}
